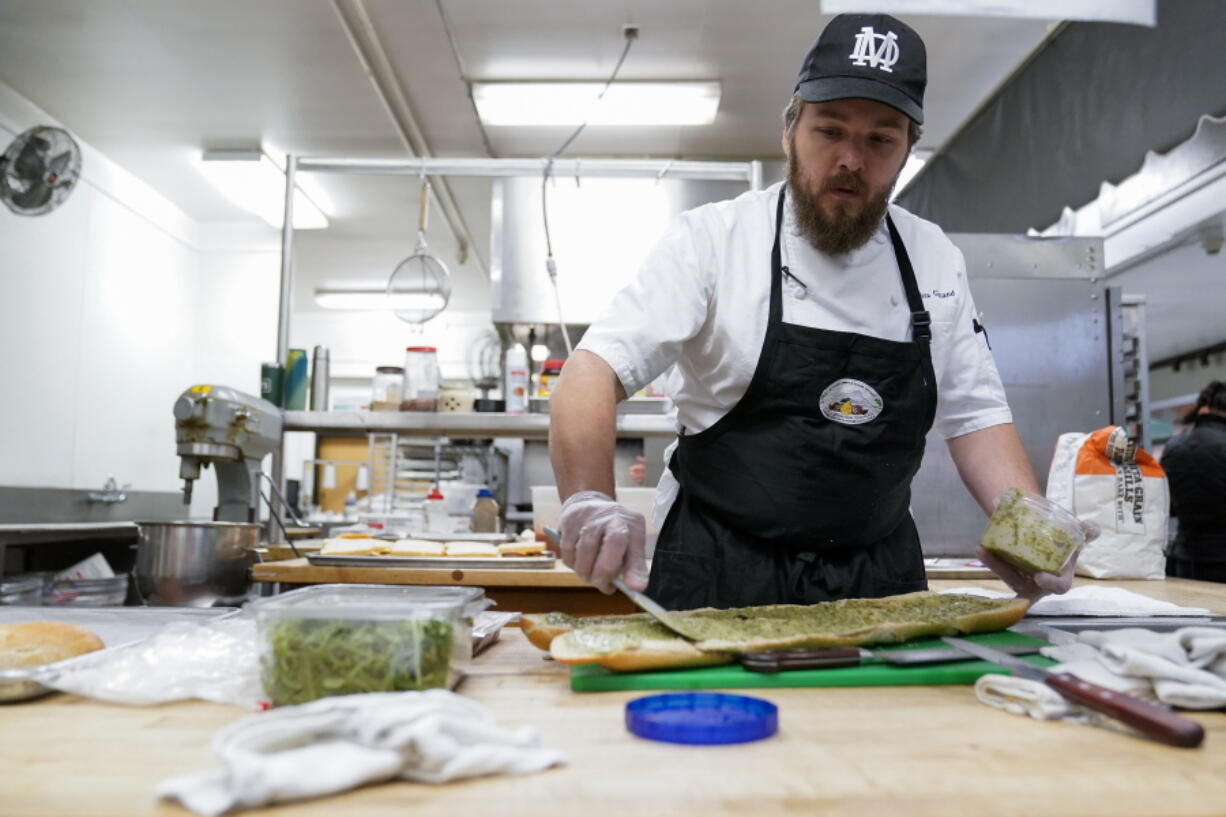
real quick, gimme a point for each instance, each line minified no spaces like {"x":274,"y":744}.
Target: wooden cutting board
{"x":593,"y":678}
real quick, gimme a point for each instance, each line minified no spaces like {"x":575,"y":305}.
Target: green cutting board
{"x":593,"y":678}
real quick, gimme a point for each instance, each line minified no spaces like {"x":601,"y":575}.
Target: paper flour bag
{"x":1104,"y":478}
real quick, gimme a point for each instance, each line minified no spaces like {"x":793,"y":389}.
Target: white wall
{"x":113,"y":304}
{"x":110,"y":306}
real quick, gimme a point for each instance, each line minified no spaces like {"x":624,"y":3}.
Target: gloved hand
{"x":1036,"y":586}
{"x":602,"y":539}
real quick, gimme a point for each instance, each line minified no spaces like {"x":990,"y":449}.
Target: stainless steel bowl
{"x":195,"y":564}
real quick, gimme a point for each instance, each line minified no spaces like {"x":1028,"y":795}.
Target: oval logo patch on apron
{"x":851,"y":402}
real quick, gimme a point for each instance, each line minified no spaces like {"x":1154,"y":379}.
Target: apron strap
{"x":776,"y":299}
{"x":921,"y":321}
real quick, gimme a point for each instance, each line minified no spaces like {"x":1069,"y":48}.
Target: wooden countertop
{"x":854,"y":751}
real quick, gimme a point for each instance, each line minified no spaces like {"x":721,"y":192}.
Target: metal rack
{"x":403,"y":470}
{"x":1135,"y":369}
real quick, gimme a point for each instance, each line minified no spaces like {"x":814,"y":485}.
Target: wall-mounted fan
{"x":39,"y":170}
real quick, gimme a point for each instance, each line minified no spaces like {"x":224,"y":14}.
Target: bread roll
{"x":521,"y":548}
{"x":353,"y":547}
{"x":43,"y":642}
{"x":472,"y":550}
{"x":416,"y":547}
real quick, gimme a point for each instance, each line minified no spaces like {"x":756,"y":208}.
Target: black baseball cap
{"x":867,"y":56}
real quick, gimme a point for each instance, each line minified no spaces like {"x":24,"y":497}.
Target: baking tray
{"x":118,"y":627}
{"x":437,"y":562}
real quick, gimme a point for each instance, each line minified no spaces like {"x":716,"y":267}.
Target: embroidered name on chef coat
{"x":851,"y":402}
{"x":875,"y":50}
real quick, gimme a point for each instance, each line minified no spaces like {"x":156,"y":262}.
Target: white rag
{"x":1184,"y":669}
{"x":1092,"y":600}
{"x":335,"y":744}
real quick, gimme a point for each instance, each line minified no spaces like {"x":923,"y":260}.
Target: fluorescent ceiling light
{"x":573,"y":103}
{"x":378,"y":299}
{"x":255,"y":182}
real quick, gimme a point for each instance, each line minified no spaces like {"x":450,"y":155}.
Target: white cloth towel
{"x":1184,"y":669}
{"x":1092,"y":600}
{"x":334,"y":744}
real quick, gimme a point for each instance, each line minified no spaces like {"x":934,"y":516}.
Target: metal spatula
{"x":672,"y":621}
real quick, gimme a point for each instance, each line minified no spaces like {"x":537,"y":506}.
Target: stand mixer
{"x":232,"y":431}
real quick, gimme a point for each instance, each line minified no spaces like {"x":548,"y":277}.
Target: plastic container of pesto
{"x":344,"y":639}
{"x":1031,"y":532}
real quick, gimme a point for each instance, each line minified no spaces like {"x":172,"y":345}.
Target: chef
{"x":815,"y":333}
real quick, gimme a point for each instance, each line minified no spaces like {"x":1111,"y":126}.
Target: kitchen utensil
{"x":420,"y":286}
{"x":644,"y":602}
{"x":593,"y":678}
{"x":779,"y":660}
{"x":195,"y":563}
{"x":1147,"y":718}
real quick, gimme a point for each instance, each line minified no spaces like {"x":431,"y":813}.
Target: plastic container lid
{"x":421,"y":348}
{"x":703,"y":718}
{"x":435,"y":494}
{"x":484,"y":492}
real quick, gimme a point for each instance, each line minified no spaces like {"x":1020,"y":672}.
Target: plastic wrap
{"x":215,"y":661}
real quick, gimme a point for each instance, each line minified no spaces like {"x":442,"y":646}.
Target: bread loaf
{"x":43,"y":642}
{"x":637,"y":642}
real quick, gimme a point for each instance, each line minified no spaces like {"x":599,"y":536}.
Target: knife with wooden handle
{"x":1147,"y":718}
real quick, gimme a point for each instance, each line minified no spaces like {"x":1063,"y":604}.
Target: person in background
{"x":1195,"y":465}
{"x":815,"y":334}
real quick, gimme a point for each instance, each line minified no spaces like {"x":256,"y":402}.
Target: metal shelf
{"x":456,"y":424}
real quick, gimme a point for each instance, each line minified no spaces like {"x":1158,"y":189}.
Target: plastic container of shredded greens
{"x":343,"y":639}
{"x":1031,"y":532}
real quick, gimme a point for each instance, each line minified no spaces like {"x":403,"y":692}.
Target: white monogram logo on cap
{"x":875,"y":50}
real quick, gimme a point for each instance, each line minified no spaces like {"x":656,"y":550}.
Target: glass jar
{"x":420,"y":379}
{"x":387,"y":389}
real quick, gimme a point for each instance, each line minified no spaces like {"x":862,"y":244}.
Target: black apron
{"x":801,"y":492}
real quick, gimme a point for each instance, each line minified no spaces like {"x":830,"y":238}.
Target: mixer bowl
{"x":195,"y":563}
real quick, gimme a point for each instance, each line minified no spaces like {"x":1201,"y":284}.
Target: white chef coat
{"x":700,"y":304}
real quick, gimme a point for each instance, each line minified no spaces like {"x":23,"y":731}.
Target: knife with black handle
{"x":1147,"y":718}
{"x":829,"y":657}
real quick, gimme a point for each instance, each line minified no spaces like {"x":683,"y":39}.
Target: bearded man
{"x":815,"y":333}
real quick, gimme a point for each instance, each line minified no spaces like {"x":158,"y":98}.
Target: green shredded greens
{"x":314,"y":658}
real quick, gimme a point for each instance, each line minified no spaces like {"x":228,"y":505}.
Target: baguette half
{"x":612,"y":647}
{"x":542,"y":628}
{"x":625,"y":643}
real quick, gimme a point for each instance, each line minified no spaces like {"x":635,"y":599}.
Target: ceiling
{"x":150,"y":83}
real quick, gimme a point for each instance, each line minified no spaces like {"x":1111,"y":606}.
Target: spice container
{"x":1031,"y":532}
{"x":437,"y":517}
{"x":551,"y":370}
{"x":420,"y":379}
{"x":486,"y":516}
{"x":386,"y":389}
{"x":344,"y":639}
{"x":296,"y":382}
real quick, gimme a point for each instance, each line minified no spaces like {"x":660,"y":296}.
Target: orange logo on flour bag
{"x":1103,"y":477}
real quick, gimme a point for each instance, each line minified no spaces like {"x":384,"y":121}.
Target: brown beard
{"x":842,"y":233}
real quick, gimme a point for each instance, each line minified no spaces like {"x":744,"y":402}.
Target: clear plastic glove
{"x":602,"y":539}
{"x":1035,"y":586}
